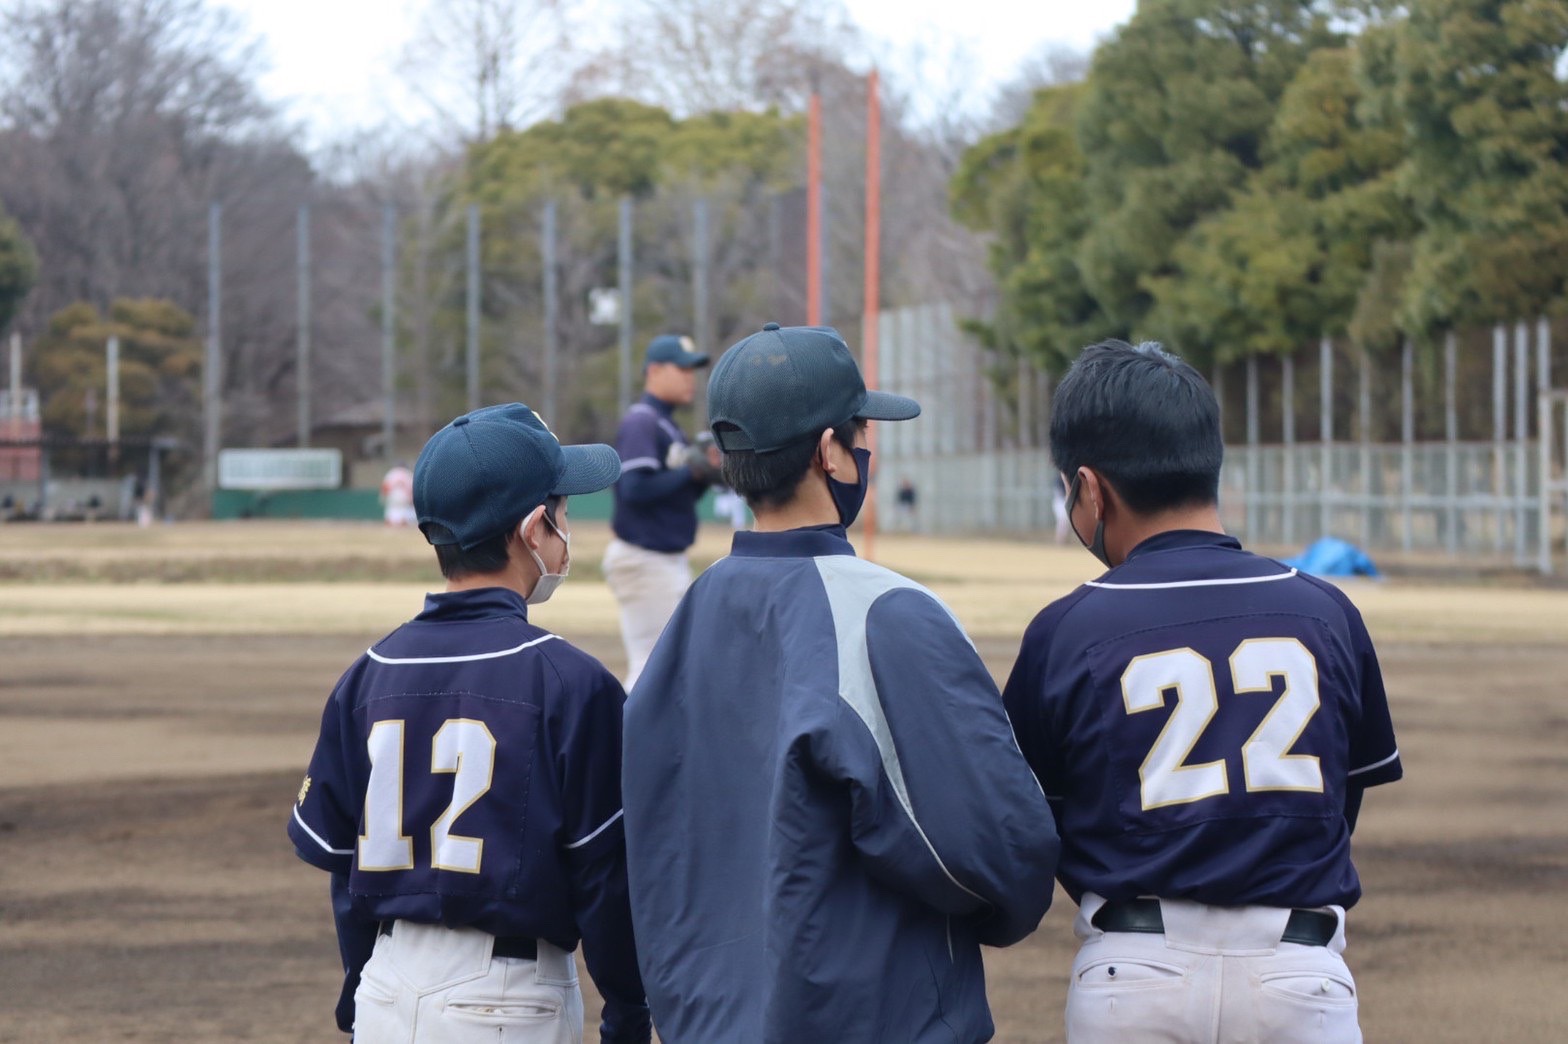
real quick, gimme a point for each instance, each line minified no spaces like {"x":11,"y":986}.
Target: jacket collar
{"x":1183,"y":540}
{"x":810,"y":542}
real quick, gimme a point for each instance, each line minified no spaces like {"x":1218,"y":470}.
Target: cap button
{"x":460,"y":422}
{"x":770,"y":326}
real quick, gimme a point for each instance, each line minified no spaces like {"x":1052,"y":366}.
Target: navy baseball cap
{"x":784,"y":385}
{"x":670,"y":348}
{"x":487,"y":469}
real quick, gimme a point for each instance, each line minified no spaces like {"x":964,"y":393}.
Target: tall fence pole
{"x":624,"y":262}
{"x":1543,"y":440}
{"x":1499,"y":431}
{"x":872,"y":289}
{"x":1407,"y":438}
{"x":1288,"y":435}
{"x":1521,"y":436}
{"x":302,"y":332}
{"x":552,"y":309}
{"x":1326,"y":434}
{"x":1364,"y":440}
{"x":701,"y":306}
{"x":1254,"y":499}
{"x":389,"y":332}
{"x":814,"y":210}
{"x":471,"y":357}
{"x":1451,"y":434}
{"x":212,"y":372}
{"x":112,"y":407}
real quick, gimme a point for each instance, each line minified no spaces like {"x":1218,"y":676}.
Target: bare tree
{"x":485,"y":66}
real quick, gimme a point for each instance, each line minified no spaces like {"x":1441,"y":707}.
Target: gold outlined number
{"x":1165,"y":778}
{"x":463,"y":747}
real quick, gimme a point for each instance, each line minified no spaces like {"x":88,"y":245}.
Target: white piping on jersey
{"x":317,"y":837}
{"x":601,"y":828}
{"x":1375,"y":764}
{"x":1193,"y":583}
{"x":459,"y":659}
{"x":669,"y":429}
{"x":638,"y":463}
{"x":851,"y":586}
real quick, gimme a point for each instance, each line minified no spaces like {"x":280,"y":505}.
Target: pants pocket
{"x":1117,"y":999}
{"x":501,"y":1012}
{"x":1312,"y":1005}
{"x":1126,"y":973}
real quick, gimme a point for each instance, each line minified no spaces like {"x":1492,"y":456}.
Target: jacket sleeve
{"x":950,"y":813}
{"x":324,"y":824}
{"x":588,"y":759}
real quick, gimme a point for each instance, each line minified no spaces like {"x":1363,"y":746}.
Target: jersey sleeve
{"x":1024,"y":697}
{"x":640,"y":443}
{"x":952,"y":813}
{"x":1374,"y":753}
{"x":587,"y":758}
{"x":324,"y":824}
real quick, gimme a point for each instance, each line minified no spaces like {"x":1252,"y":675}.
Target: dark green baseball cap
{"x":489,"y":468}
{"x":783,"y":385}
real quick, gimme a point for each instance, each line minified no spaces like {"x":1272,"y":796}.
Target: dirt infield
{"x":151,"y":742}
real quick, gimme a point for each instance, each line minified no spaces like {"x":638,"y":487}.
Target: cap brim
{"x":589,"y":469}
{"x":692,"y":360}
{"x":885,"y":406}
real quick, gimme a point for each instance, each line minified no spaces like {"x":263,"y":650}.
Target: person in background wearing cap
{"x":826,"y":813}
{"x":465,"y":793}
{"x":655,"y":520}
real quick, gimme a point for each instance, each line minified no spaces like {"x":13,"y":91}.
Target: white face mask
{"x":549,"y":581}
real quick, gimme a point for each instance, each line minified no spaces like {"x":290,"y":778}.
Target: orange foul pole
{"x":814,"y":212}
{"x":873,"y":304}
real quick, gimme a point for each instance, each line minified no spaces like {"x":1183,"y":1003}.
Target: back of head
{"x":1143,"y":419}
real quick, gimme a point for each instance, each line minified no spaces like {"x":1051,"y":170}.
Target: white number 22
{"x":463,"y":747}
{"x":1166,"y":778}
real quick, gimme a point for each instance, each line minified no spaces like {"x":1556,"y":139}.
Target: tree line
{"x":122,"y":121}
{"x":1242,"y":177}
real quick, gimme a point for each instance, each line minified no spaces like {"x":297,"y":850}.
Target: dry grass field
{"x":160,"y":691}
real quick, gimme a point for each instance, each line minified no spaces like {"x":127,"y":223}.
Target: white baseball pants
{"x":434,"y":985}
{"x":648,"y":586}
{"x":1217,"y":975}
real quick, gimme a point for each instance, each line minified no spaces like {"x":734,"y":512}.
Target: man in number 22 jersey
{"x":1204,"y":722}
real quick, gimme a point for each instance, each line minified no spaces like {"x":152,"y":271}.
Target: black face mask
{"x":849,"y":496}
{"x":1096,"y":547}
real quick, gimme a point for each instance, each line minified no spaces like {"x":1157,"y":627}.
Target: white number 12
{"x":1165,"y":777}
{"x":461,"y":746}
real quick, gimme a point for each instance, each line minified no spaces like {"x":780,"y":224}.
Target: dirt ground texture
{"x":151,"y":743}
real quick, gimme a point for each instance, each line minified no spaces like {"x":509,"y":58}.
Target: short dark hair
{"x":487,"y":556}
{"x":1145,"y":420}
{"x":769,"y":480}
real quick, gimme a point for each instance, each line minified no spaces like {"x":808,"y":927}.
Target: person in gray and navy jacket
{"x":662,"y":477}
{"x":826,"y":811}
{"x":465,"y":793}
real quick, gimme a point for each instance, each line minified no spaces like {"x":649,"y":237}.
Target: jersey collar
{"x":809,"y":542}
{"x":650,"y":399}
{"x":1183,"y":540}
{"x":481,"y":603}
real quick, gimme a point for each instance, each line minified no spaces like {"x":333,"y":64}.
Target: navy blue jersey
{"x":468,"y":774}
{"x":1200,"y":717}
{"x":655,"y":505}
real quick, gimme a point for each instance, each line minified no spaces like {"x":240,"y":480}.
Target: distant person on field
{"x":906,"y":505}
{"x":1205,"y":722}
{"x":465,"y":792}
{"x":1059,"y":507}
{"x":826,"y":813}
{"x":663,"y":475}
{"x":397,"y":496}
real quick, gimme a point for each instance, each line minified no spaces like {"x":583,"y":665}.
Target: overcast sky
{"x":333,"y":62}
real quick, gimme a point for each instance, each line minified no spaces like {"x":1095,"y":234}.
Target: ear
{"x":528,"y":530}
{"x":1090,"y":488}
{"x":825,"y":444}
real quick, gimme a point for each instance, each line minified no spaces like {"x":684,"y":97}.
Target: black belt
{"x":1306,"y":927}
{"x":520,"y":946}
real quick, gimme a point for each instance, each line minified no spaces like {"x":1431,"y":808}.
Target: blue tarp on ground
{"x":1331,"y":556}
